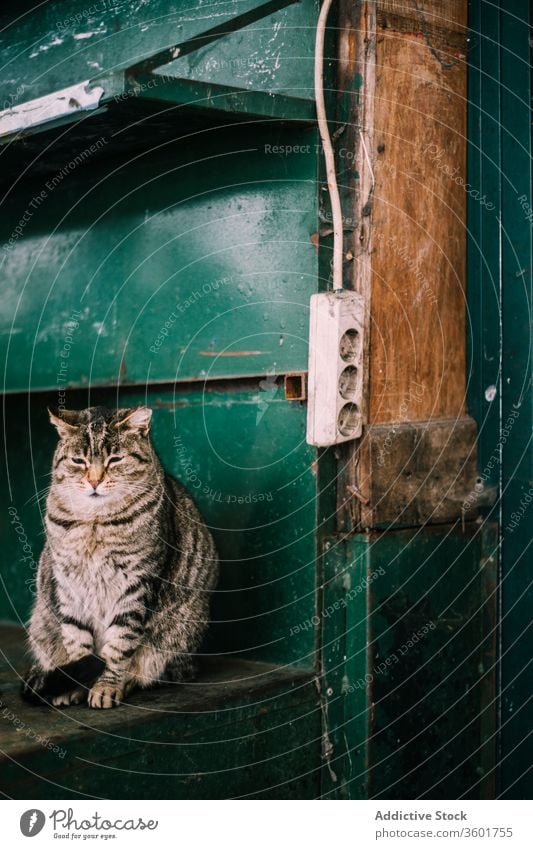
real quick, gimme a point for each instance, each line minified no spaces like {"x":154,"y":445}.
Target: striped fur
{"x":128,"y":565}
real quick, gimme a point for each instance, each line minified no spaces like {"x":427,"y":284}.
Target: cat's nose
{"x":95,"y":475}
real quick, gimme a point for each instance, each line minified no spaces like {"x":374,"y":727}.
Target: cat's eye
{"x":115,"y":458}
{"x":80,"y":461}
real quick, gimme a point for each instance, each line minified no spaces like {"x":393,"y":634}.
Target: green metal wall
{"x":500,"y":298}
{"x":409,"y":653}
{"x":191,"y":261}
{"x":59,"y":43}
{"x":172,"y":270}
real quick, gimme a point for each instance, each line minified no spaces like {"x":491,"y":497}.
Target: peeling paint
{"x":44,"y":47}
{"x":231,"y":353}
{"x":83,"y":35}
{"x":51,"y":106}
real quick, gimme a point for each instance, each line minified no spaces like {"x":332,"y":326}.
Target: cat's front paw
{"x":105,"y":694}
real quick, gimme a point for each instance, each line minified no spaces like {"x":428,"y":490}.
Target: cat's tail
{"x":38,"y":686}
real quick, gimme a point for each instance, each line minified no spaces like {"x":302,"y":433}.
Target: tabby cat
{"x":125,"y":576}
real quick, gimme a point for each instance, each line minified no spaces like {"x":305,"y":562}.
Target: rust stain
{"x":231,"y":353}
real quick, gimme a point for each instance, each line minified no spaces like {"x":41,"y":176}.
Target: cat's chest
{"x":94,"y":573}
{"x":90,"y":542}
{"x":86,"y":545}
{"x":96,"y":589}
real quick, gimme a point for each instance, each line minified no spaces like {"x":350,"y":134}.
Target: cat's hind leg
{"x":151,"y":667}
{"x":151,"y":670}
{"x":62,"y":685}
{"x":147,"y":668}
{"x":183,"y":667}
{"x":75,"y":697}
{"x":33,"y":683}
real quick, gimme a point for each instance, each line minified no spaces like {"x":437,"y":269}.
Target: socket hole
{"x":295,"y":387}
{"x":348,"y":419}
{"x":348,"y":382}
{"x":348,"y":345}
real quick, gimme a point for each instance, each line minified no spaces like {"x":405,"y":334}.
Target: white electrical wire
{"x":327,"y":147}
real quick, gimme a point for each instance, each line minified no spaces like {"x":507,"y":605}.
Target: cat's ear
{"x":66,"y":422}
{"x":138,"y":419}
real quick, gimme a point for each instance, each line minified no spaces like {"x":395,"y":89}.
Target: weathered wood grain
{"x":417,"y":348}
{"x":449,"y":15}
{"x":413,"y":473}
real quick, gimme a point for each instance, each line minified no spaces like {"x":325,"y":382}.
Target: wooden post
{"x":408,"y":251}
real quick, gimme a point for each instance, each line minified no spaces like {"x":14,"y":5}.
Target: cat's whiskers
{"x":38,"y":495}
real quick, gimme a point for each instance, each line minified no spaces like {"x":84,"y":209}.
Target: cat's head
{"x":103,"y":455}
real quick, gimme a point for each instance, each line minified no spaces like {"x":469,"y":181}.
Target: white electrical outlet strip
{"x":335,"y":389}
